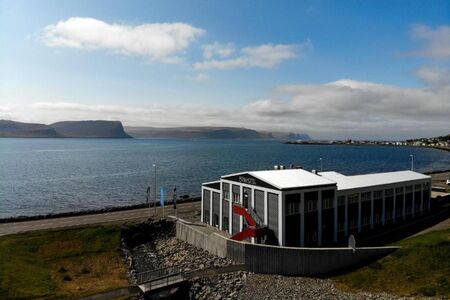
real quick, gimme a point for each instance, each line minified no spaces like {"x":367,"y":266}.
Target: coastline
{"x":359,"y":144}
{"x":89,"y":212}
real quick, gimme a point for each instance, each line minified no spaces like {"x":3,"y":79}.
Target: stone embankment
{"x":152,"y":245}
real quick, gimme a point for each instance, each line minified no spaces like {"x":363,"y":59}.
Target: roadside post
{"x":161,"y":200}
{"x":174,"y":201}
{"x":154,"y":178}
{"x":148,"y":201}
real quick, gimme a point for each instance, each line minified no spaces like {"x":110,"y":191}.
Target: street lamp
{"x":412,"y":162}
{"x":321,"y":164}
{"x":154,"y":178}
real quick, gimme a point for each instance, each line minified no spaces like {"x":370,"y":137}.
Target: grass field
{"x":61,"y":263}
{"x":421,"y":267}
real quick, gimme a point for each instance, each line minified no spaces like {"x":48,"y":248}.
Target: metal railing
{"x":153,"y":275}
{"x":255,"y":217}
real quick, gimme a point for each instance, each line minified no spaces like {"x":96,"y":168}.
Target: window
{"x":378,"y":195}
{"x":388,"y":192}
{"x":327,"y":203}
{"x":311,"y":205}
{"x":236,"y":198}
{"x":226,"y":195}
{"x":206,"y":216}
{"x":292,"y":208}
{"x":408,"y":189}
{"x":366,"y":196}
{"x":417,"y":187}
{"x":341,"y":200}
{"x":399,"y":190}
{"x":353,"y":198}
{"x":225,"y":223}
{"x":327,"y":199}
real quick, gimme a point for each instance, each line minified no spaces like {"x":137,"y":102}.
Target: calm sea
{"x":39,"y":176}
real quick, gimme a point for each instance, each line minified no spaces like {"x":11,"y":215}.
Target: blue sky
{"x":270,"y":66}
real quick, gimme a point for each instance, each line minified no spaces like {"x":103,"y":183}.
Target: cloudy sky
{"x":342,"y":69}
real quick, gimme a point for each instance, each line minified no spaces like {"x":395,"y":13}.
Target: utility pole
{"x":175,"y":201}
{"x":412,"y":162}
{"x":148,"y":201}
{"x":154,"y":178}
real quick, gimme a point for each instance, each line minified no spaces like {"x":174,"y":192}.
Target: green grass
{"x":421,"y":267}
{"x":57,"y":264}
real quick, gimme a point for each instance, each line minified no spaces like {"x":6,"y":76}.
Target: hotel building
{"x":297,"y":208}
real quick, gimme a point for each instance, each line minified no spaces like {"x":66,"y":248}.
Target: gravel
{"x":153,"y":246}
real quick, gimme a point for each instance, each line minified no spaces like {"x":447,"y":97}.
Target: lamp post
{"x":412,"y":162}
{"x":321,"y":164}
{"x":154,"y":178}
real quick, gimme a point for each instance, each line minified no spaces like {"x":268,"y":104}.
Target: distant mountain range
{"x":114,"y":129}
{"x":210,"y":133}
{"x":66,"y":129}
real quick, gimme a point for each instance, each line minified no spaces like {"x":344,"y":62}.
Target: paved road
{"x":185,"y":210}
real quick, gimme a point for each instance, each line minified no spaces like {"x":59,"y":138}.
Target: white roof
{"x":360,"y":181}
{"x":289,"y":178}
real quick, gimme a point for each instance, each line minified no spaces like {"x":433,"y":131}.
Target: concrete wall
{"x":279,"y":260}
{"x":307,"y":261}
{"x":213,"y":242}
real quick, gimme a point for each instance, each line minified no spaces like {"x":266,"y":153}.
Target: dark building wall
{"x":206,"y":205}
{"x":225,"y":215}
{"x":311,"y":219}
{"x":293,"y":220}
{"x":216,"y":208}
{"x":259,"y":204}
{"x":272,"y":200}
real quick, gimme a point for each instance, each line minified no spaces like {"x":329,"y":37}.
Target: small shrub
{"x":67,"y":278}
{"x":427,"y":291}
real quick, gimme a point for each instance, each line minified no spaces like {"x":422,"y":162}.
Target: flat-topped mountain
{"x":68,"y":129}
{"x":90,"y":129}
{"x":18,"y":129}
{"x":195,"y":132}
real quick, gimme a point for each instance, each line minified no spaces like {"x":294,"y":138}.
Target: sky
{"x":331,"y":69}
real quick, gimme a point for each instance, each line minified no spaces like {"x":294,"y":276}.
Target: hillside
{"x":90,"y":129}
{"x":193,"y":132}
{"x":206,"y":133}
{"x":18,"y":129}
{"x":68,"y":129}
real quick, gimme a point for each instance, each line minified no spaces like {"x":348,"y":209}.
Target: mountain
{"x":209,"y":133}
{"x":194,"y":132}
{"x":90,"y":129}
{"x":69,"y":129}
{"x":17,"y":129}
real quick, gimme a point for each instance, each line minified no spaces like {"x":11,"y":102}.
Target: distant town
{"x":440,"y":142}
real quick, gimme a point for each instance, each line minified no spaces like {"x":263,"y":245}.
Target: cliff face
{"x":18,"y":129}
{"x":69,"y":129}
{"x":194,"y":132}
{"x":90,"y":129}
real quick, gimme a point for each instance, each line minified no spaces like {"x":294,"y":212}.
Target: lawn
{"x":56,"y":264}
{"x":421,"y":267}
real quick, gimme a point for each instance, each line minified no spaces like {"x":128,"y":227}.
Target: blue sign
{"x":161,"y":201}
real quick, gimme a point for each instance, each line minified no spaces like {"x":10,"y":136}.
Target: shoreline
{"x":88,"y":212}
{"x":359,"y":144}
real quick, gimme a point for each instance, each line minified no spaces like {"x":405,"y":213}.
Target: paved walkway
{"x":439,"y":226}
{"x":184,"y":209}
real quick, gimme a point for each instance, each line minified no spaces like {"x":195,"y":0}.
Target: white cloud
{"x":200,"y":77}
{"x":160,"y":42}
{"x":264,"y":56}
{"x":217,"y":50}
{"x":436,"y":41}
{"x":434,"y":76}
{"x":341,"y":109}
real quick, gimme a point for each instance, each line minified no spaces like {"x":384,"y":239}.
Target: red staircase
{"x":252,"y":230}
